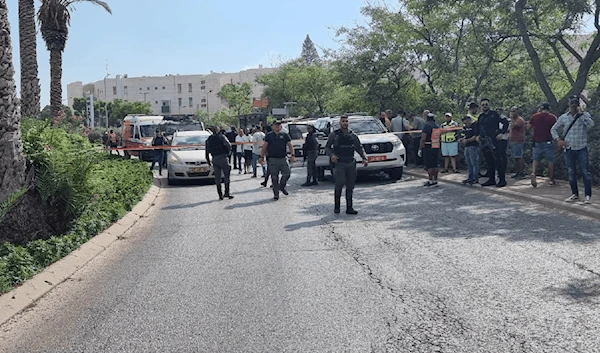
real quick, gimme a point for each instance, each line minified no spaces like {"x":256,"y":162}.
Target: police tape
{"x":444,"y":130}
{"x":167,"y":147}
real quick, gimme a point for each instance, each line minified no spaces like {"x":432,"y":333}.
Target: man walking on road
{"x":491,"y":132}
{"x":340,"y":147}
{"x":543,"y":144}
{"x":219,"y":147}
{"x":310,"y":151}
{"x":231,"y":135}
{"x":257,"y":140}
{"x":158,"y":140}
{"x":576,"y":124}
{"x":429,"y":149}
{"x":275,"y":146}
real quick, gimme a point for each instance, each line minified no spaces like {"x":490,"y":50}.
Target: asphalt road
{"x":418,"y":270}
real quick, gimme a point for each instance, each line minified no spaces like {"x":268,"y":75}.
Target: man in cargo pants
{"x":219,"y":147}
{"x":276,"y":145}
{"x":340,"y":147}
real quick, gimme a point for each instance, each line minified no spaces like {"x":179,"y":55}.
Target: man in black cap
{"x":276,"y":145}
{"x":219,"y":147}
{"x":492,"y":127}
{"x":158,"y":140}
{"x":575,"y":125}
{"x":340,"y":147}
{"x":310,"y":151}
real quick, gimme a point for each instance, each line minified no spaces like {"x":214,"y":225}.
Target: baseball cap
{"x":473,"y":105}
{"x":277,"y":122}
{"x":466,"y":117}
{"x":448,"y":114}
{"x":430,"y":116}
{"x":573,"y":98}
{"x":545,"y":105}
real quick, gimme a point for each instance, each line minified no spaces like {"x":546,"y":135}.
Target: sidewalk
{"x":551,"y":196}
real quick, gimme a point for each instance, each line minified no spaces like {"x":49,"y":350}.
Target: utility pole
{"x":105,"y":99}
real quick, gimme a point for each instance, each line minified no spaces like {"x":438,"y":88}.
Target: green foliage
{"x":93,"y":188}
{"x":238,"y":97}
{"x":309,"y":55}
{"x":79,"y":106}
{"x":46,"y":113}
{"x":119,"y":109}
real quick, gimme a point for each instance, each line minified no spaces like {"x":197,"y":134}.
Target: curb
{"x":563,"y":206}
{"x":30,"y":291}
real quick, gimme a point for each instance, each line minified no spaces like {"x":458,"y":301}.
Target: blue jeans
{"x":157,"y":158}
{"x":472,"y":159}
{"x":239,"y":156}
{"x":572,"y":158}
{"x":255,"y":158}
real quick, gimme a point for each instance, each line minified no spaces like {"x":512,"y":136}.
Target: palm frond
{"x":11,"y":201}
{"x":103,"y":4}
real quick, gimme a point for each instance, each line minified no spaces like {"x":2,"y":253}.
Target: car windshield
{"x":189,"y":140}
{"x":296,"y":131}
{"x":170,"y":128}
{"x":363,"y":126}
{"x":148,"y":130}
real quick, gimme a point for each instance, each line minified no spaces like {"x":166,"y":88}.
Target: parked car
{"x":385,"y":151}
{"x":188,"y":163}
{"x":297,"y":132}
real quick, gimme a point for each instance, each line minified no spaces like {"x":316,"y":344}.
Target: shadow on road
{"x":189,"y":205}
{"x":584,"y":291}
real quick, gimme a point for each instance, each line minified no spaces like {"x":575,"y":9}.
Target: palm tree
{"x":30,"y":85}
{"x":12,"y":161}
{"x":54,"y":17}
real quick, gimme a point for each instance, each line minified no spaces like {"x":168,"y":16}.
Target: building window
{"x":202,"y":82}
{"x":202,"y":87}
{"x":203,"y":100}
{"x":155,"y":102}
{"x":179,"y":88}
{"x":155,"y":88}
{"x":163,"y":87}
{"x":147,"y":88}
{"x":179,"y":101}
{"x":190,"y":102}
{"x":114,"y":90}
{"x":203,"y":105}
{"x":140,"y":88}
{"x":189,"y":87}
{"x":125,"y":89}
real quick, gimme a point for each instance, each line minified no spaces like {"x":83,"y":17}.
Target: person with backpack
{"x":340,"y":147}
{"x":219,"y":147}
{"x":310,"y":151}
{"x":576,"y":124}
{"x":158,"y":140}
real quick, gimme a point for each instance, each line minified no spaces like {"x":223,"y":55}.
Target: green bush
{"x":94,"y":188}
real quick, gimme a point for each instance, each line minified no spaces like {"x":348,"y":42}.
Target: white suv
{"x":385,"y":151}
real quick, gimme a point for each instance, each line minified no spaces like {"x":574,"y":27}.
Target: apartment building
{"x":170,"y":95}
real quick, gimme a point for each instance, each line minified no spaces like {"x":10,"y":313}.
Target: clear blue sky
{"x":152,"y":37}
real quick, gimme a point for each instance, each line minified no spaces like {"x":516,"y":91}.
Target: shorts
{"x":517,"y":149}
{"x":431,"y":157}
{"x":544,"y":150}
{"x":449,"y":149}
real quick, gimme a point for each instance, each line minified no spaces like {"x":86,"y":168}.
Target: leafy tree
{"x":30,"y":84}
{"x":54,"y":17}
{"x":238,"y":97}
{"x":46,"y":113}
{"x":309,"y":55}
{"x":79,"y":106}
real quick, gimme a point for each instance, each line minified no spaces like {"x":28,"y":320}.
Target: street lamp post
{"x":105,"y":101}
{"x":206,"y":95}
{"x":144,"y":93}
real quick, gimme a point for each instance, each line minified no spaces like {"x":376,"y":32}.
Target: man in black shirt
{"x":275,"y":146}
{"x":469,"y":140}
{"x":340,"y":148}
{"x":310,"y":151}
{"x":430,"y":149}
{"x":231,"y":134}
{"x":158,"y":140}
{"x":219,"y":147}
{"x":491,"y":129}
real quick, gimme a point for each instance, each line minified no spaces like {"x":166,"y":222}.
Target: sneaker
{"x":434,"y":184}
{"x":490,"y":182}
{"x":533,"y":181}
{"x":588,"y":200}
{"x":572,"y":198}
{"x":276,"y":197}
{"x":515,"y":176}
{"x":427,"y":183}
{"x":307,"y":184}
{"x":468,"y":181}
{"x":284,"y":191}
{"x":501,"y":184}
{"x":336,"y":210}
{"x":254,"y":176}
{"x":476,"y":181}
{"x":444,"y":171}
{"x":314,"y":183}
{"x":351,"y":211}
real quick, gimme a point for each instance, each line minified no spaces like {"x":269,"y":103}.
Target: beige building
{"x":170,"y":95}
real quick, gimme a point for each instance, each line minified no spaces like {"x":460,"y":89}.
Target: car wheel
{"x":396,"y":173}
{"x":170,"y":181}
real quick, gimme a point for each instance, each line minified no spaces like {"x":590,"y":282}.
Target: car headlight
{"x":397,"y":142}
{"x":174,"y":160}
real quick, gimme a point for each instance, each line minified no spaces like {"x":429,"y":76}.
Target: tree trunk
{"x":30,"y":85}
{"x":533,"y":55}
{"x":55,"y":81}
{"x":12,"y":161}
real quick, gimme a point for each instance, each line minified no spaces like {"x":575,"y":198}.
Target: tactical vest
{"x":216,"y":146}
{"x":344,"y":146}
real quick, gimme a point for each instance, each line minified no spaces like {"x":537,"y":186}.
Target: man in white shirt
{"x":239,"y":148}
{"x":257,"y":141}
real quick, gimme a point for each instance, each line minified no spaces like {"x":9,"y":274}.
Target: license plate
{"x":376,"y":158}
{"x":198,"y":170}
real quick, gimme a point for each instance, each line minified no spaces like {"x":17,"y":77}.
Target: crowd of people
{"x":484,"y":132}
